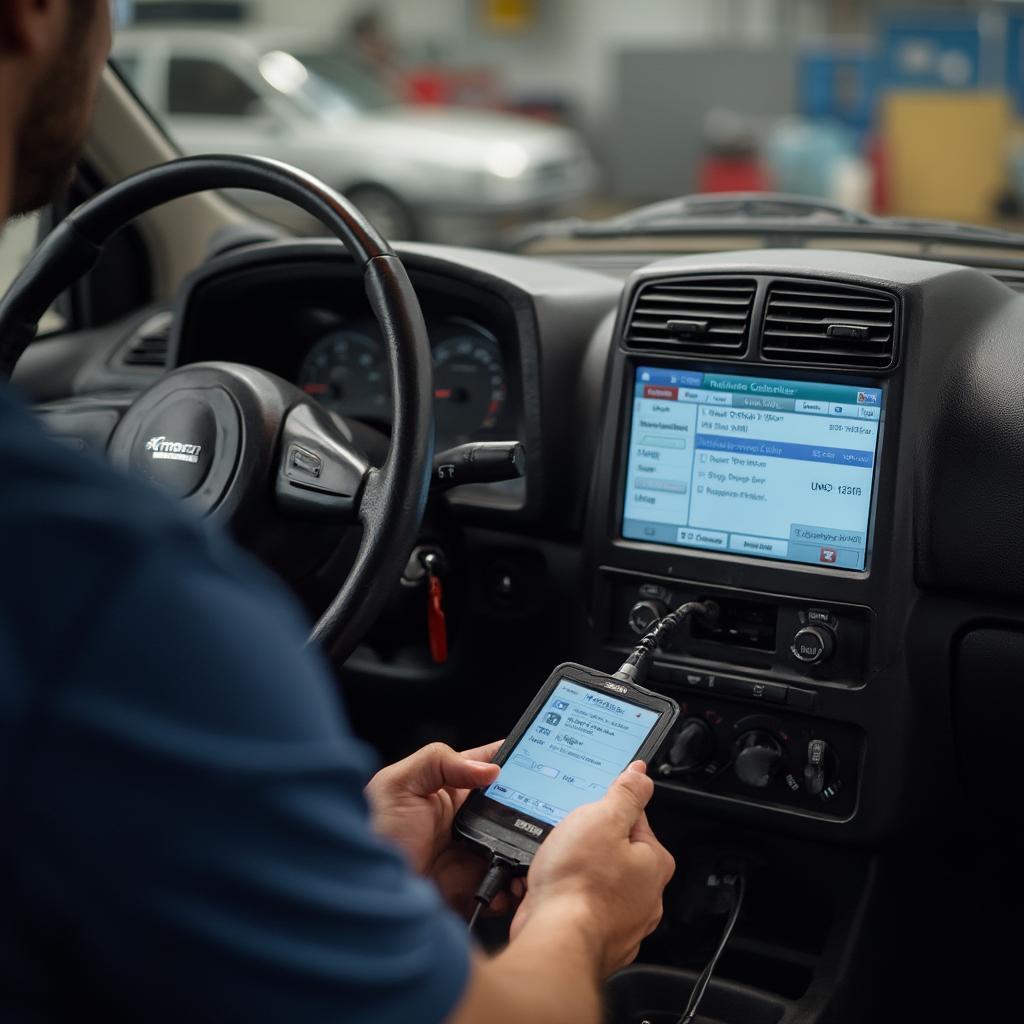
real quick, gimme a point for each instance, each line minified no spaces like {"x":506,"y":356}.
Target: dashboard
{"x":828,"y":444}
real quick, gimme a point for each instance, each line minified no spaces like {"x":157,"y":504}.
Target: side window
{"x":197,"y":87}
{"x":128,"y":65}
{"x":16,"y":245}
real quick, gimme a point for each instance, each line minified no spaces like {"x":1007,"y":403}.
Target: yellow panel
{"x":509,"y":15}
{"x":946,"y":153}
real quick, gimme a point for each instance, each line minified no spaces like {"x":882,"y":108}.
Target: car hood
{"x":464,"y":138}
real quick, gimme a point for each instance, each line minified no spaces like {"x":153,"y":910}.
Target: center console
{"x":749,"y":455}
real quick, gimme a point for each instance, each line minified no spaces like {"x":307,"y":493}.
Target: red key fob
{"x":437,"y":629}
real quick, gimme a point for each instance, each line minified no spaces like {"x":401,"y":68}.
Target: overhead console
{"x":755,"y":451}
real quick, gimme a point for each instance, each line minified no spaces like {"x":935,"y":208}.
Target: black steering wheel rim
{"x":394,"y":496}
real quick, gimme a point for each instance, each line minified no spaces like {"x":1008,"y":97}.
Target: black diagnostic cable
{"x":738,"y":883}
{"x":498,"y":874}
{"x":634,"y":668}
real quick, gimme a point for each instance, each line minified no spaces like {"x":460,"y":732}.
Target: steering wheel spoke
{"x":86,"y":422}
{"x":320,"y":474}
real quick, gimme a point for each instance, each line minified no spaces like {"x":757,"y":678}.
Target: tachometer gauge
{"x":470,"y":387}
{"x":347,"y":371}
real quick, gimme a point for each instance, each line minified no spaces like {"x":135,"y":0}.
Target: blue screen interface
{"x":753,"y":465}
{"x":572,"y":751}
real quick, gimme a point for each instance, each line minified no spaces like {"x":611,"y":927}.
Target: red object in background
{"x":426,"y":87}
{"x":880,"y":184}
{"x":732,"y":174}
{"x":440,"y":87}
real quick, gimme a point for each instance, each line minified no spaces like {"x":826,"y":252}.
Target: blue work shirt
{"x":182,"y":823}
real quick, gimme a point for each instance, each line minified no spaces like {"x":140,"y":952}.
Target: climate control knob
{"x":758,"y":757}
{"x":813,"y":644}
{"x":692,"y":748}
{"x":644,"y":614}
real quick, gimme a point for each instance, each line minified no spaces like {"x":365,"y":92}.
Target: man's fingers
{"x":484,"y":753}
{"x":629,"y":794}
{"x":437,"y":766}
{"x":642,"y":831}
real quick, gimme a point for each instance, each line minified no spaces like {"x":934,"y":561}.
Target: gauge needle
{"x":451,"y":394}
{"x":315,"y":389}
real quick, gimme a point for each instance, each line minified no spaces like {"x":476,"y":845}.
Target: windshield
{"x":466,"y":122}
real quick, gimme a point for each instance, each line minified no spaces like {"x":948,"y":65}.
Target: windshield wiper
{"x":767,"y":211}
{"x":744,"y":206}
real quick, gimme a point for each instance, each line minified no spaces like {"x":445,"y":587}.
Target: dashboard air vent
{"x":147,"y":346}
{"x":820,"y":323}
{"x":1011,"y":278}
{"x":698,"y":316}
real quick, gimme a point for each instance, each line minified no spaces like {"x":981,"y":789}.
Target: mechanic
{"x":186,"y":834}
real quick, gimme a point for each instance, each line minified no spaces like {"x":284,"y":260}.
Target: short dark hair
{"x":365,"y":23}
{"x":80,"y":18}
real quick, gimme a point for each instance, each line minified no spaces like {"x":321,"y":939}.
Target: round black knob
{"x":758,"y":758}
{"x":693,"y":746}
{"x":813,"y":644}
{"x":644,"y":614}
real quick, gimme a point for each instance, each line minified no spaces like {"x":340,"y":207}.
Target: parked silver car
{"x":440,"y":173}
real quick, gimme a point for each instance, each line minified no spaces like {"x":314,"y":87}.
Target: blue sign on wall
{"x":1014,"y":56}
{"x":841,"y":85}
{"x":932,"y":52}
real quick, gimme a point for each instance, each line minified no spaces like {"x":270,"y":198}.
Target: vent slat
{"x":148,"y":345}
{"x":695,"y":313}
{"x":801,"y":295}
{"x":722,"y":306}
{"x":712,"y":300}
{"x":854,"y":321}
{"x":649,"y":326}
{"x":798,"y":317}
{"x":822,"y":336}
{"x":705,"y":287}
{"x":828,"y":308}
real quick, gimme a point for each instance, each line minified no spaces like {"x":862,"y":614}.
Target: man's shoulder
{"x":48,"y":485}
{"x":73,"y":527}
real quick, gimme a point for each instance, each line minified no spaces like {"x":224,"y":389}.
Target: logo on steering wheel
{"x":173,"y":451}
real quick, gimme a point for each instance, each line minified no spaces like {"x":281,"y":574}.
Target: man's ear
{"x":32,"y":27}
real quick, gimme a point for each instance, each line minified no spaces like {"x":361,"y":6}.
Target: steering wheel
{"x":242,"y":445}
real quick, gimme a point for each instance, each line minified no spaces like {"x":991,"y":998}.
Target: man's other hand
{"x":414,"y":803}
{"x":603,"y":860}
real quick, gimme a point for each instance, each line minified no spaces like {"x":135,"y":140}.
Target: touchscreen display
{"x":571,"y":752}
{"x":753,"y":465}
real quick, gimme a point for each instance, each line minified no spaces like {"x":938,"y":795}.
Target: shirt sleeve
{"x":192,"y":838}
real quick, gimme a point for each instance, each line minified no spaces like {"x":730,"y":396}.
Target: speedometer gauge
{"x":347,"y":372}
{"x":470,"y":387}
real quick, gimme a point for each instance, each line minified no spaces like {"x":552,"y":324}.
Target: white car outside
{"x":448,"y":174}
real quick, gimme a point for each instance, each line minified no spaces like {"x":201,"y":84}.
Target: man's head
{"x":51,"y":56}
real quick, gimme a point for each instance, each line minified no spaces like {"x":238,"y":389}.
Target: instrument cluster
{"x":346,"y":369}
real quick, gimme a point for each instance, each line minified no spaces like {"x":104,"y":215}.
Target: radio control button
{"x":803,"y":700}
{"x":813,"y":644}
{"x":752,"y":689}
{"x":644,"y":614}
{"x":822,"y":617}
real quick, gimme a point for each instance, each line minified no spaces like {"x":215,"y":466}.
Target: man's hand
{"x":603,"y":862}
{"x":414,"y":803}
{"x":594,"y":893}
